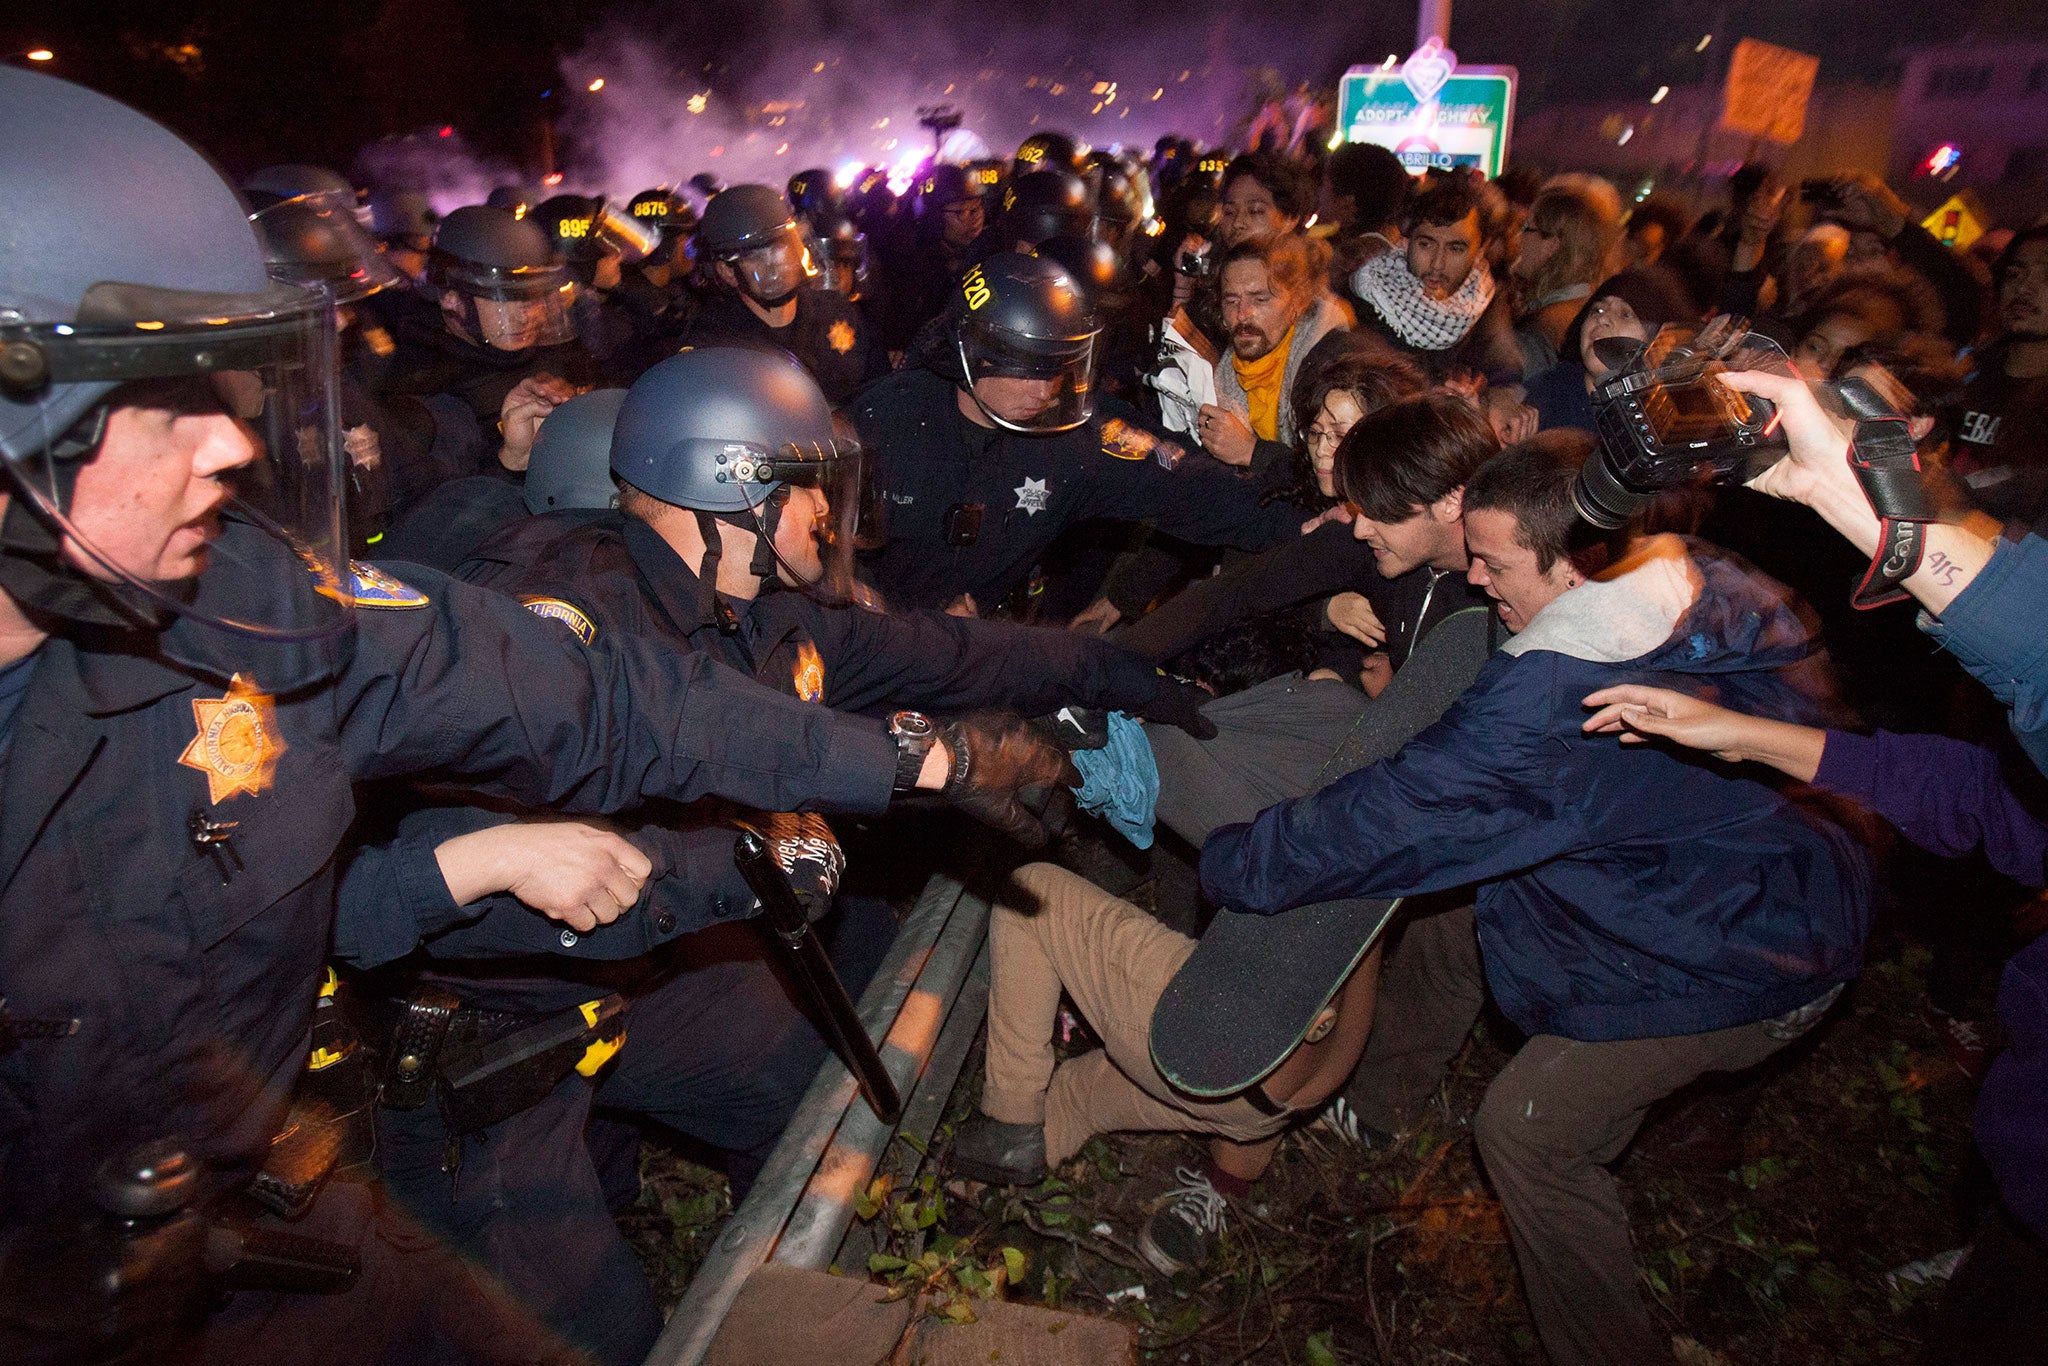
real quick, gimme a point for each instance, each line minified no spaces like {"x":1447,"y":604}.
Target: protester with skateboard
{"x":1645,"y":919}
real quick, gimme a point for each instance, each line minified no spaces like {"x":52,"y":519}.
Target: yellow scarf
{"x":1261,"y":380}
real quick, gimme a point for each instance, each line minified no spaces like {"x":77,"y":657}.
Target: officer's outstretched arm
{"x":466,"y":683}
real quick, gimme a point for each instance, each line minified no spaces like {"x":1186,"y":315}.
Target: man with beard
{"x":1436,"y":299}
{"x":759,"y":268}
{"x":2002,"y":428}
{"x":1277,"y":313}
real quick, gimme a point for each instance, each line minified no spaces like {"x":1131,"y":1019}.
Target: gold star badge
{"x":238,"y":744}
{"x":840,"y":335}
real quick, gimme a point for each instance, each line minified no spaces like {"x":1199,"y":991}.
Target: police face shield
{"x":212,"y":410}
{"x":1029,"y":384}
{"x":506,"y":308}
{"x":312,"y":240}
{"x":816,"y":518}
{"x":775,"y":268}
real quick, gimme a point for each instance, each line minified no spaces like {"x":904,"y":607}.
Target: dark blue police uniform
{"x":191,"y":969}
{"x":932,"y":464}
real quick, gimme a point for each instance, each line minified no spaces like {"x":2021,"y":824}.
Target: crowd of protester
{"x":1213,"y":444}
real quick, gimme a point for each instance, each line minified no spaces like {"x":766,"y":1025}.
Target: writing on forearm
{"x":1942,"y":569}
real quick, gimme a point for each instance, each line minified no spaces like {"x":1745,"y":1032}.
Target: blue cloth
{"x":1624,"y":893}
{"x":1120,"y":781}
{"x":1949,"y":797}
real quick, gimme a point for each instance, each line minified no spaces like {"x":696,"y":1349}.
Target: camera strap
{"x":1886,"y":461}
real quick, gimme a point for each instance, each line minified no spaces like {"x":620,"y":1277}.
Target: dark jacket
{"x":604,"y":576}
{"x":1624,"y":893}
{"x":193,"y":985}
{"x":828,"y":337}
{"x":928,"y":459}
{"x":620,"y":575}
{"x":1311,"y":568}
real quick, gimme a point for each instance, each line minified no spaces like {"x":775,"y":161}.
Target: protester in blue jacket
{"x":1644,"y":918}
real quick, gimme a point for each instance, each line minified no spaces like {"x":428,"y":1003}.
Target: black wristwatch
{"x":914,"y":735}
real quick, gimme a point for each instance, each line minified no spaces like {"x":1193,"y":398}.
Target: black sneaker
{"x":1001,"y":1154}
{"x":1186,"y":1230}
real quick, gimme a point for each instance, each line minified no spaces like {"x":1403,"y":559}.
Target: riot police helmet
{"x":570,"y":466}
{"x":402,"y":215}
{"x":517,"y":200}
{"x":1024,"y":335}
{"x":728,"y":432}
{"x":1046,"y":204}
{"x":1047,"y":151}
{"x":274,"y":184}
{"x":136,"y":280}
{"x":749,"y":231}
{"x":669,"y":214}
{"x":499,"y":280}
{"x":314,"y":241}
{"x":815,"y":195}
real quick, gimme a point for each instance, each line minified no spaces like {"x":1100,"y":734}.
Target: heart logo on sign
{"x":1426,"y":70}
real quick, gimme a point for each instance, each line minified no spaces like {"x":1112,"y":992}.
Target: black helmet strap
{"x":762,"y":566}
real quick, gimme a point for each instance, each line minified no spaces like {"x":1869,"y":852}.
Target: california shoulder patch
{"x":840,"y":336}
{"x":554,"y":609}
{"x":1126,"y":442}
{"x":238,"y":744}
{"x":375,"y":588}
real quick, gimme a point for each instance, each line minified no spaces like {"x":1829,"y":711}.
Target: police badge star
{"x":238,"y":744}
{"x":840,"y":336}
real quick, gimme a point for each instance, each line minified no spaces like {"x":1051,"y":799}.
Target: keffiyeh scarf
{"x":1424,"y":323}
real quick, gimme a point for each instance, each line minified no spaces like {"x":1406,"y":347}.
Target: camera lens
{"x":1601,"y":498}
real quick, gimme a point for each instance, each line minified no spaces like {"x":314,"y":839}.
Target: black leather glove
{"x":1073,"y":728}
{"x":808,"y":854}
{"x":1179,"y":703}
{"x":996,"y":756}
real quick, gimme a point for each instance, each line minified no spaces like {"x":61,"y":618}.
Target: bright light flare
{"x":1662,"y":91}
{"x":1701,"y":45}
{"x":696,"y":103}
{"x":1393,"y":60}
{"x":41,"y":54}
{"x":903,"y":171}
{"x":1336,"y":141}
{"x":595,"y":85}
{"x":1626,"y":134}
{"x":551,"y":179}
{"x":848,"y":172}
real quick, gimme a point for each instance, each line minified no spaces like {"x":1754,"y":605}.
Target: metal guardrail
{"x":922,"y":1005}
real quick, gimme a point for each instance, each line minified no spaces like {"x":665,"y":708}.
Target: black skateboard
{"x":1256,"y":984}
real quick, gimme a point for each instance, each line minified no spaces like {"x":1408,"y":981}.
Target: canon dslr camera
{"x":1665,"y":421}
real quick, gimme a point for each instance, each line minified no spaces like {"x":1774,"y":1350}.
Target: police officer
{"x":746,"y":562}
{"x":985,"y":452}
{"x":503,"y":324}
{"x":759,"y":266}
{"x":660,"y":296}
{"x":951,"y":234}
{"x":190,"y":690}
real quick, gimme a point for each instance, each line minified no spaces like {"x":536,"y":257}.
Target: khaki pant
{"x":1057,"y":930}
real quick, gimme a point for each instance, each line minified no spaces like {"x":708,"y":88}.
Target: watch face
{"x":912,"y":724}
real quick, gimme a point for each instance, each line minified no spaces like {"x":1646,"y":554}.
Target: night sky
{"x":259,"y":81}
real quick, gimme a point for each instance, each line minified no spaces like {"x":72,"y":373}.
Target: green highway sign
{"x":1430,"y":112}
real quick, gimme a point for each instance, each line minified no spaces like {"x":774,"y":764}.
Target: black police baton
{"x":816,"y":979}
